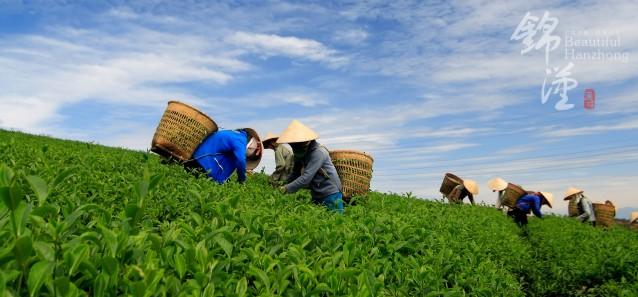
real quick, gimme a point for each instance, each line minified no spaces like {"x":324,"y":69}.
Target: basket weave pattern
{"x":354,"y":169}
{"x":181,"y":129}
{"x":605,"y":213}
{"x":572,"y":209}
{"x":449,"y":182}
{"x":511,"y":194}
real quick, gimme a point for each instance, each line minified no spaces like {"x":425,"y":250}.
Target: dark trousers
{"x":193,"y":167}
{"x":519,"y":216}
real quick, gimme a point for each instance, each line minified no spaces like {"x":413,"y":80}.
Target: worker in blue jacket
{"x":530,"y":203}
{"x":227,"y":151}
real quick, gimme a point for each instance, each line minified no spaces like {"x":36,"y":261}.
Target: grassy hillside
{"x":81,"y":219}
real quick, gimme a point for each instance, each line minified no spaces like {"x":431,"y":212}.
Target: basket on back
{"x":572,"y":209}
{"x":511,"y":194}
{"x":180,"y":131}
{"x":605,"y":213}
{"x":449,"y":182}
{"x":355,"y":171}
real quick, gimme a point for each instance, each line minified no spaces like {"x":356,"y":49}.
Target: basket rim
{"x":604,"y":205}
{"x":352,"y":151}
{"x":515,"y":186}
{"x":193,"y":108}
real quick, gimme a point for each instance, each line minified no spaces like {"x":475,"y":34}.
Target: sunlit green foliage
{"x":80,"y":219}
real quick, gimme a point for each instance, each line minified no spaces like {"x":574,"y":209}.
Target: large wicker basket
{"x":181,"y":129}
{"x":572,"y":208}
{"x":449,"y":182}
{"x":355,"y":171}
{"x":605,"y":213}
{"x":511,"y":194}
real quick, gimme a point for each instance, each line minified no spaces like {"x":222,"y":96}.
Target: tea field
{"x":79,"y":219}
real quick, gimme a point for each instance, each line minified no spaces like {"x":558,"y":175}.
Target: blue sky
{"x":425,"y":87}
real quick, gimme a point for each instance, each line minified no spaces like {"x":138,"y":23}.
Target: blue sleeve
{"x":239,"y":151}
{"x":536,"y":207}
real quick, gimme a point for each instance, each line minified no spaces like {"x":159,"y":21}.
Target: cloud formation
{"x":426,"y":87}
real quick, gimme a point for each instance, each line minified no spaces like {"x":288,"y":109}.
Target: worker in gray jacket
{"x":313,"y":167}
{"x":499,"y":185}
{"x":284,"y":160}
{"x":585,"y":207}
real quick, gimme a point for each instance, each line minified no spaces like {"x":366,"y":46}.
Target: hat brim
{"x":570,"y":196}
{"x":270,"y":140}
{"x":253,"y":162}
{"x":471,"y":186}
{"x":497,"y":184}
{"x":297,"y":132}
{"x":549,"y":203}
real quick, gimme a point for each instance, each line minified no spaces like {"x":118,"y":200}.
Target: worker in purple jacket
{"x":227,"y":151}
{"x":530,"y":203}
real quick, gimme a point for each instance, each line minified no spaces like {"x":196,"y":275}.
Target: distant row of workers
{"x":526,"y":204}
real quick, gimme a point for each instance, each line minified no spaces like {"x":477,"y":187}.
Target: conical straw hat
{"x":253,"y":162}
{"x":549,"y":197}
{"x":634,"y":216}
{"x":471,"y":186}
{"x":270,"y":137}
{"x":497,"y":184}
{"x":571,"y":191}
{"x":297,"y":132}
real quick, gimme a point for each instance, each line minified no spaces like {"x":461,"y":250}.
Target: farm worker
{"x":585,"y":207}
{"x":634,"y":217}
{"x":227,"y":151}
{"x":499,"y":184}
{"x":468,"y":188}
{"x":284,"y":159}
{"x":530,"y":203}
{"x":312,"y":168}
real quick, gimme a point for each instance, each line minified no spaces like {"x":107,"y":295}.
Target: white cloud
{"x":628,"y":124}
{"x":43,"y":74}
{"x":457,"y":55}
{"x":272,"y":45}
{"x":353,"y":37}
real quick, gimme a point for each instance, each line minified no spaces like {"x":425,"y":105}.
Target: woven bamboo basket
{"x":181,"y":129}
{"x":605,"y":213}
{"x":511,"y":194}
{"x":355,"y":171}
{"x":449,"y":182}
{"x":572,"y":208}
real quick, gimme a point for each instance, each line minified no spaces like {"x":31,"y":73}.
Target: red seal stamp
{"x":589,"y":102}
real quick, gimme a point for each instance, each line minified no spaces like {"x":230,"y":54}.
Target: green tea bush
{"x":80,"y":219}
{"x":572,"y":259}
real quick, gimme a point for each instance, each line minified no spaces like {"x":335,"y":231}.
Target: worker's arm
{"x":239,"y":150}
{"x":280,"y":160}
{"x":280,"y":164}
{"x":536,"y":207}
{"x":499,"y":200}
{"x":313,"y":166}
{"x":587,"y":211}
{"x":295,"y":173}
